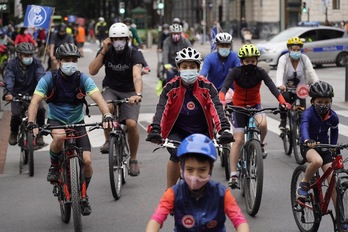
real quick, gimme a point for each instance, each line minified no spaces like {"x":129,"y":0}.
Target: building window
{"x":335,"y":4}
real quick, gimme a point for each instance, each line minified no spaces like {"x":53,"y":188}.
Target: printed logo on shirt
{"x":190,"y":105}
{"x":118,"y":67}
{"x":79,"y":96}
{"x":212,"y":224}
{"x":188,"y":221}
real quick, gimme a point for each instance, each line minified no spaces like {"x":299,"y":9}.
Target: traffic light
{"x":122,"y":8}
{"x":160,"y":5}
{"x":304,"y":7}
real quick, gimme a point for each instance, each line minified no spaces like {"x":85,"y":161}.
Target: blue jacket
{"x":203,"y":214}
{"x":314,"y":127}
{"x":18,"y":82}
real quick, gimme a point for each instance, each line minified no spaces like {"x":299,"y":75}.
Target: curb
{"x":5,"y":124}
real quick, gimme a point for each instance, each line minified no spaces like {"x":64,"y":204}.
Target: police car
{"x":323,"y":45}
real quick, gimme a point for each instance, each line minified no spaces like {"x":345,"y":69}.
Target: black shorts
{"x":83,"y":141}
{"x":324,"y":153}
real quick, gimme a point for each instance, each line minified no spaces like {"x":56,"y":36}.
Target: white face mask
{"x":69,"y":68}
{"x":195,"y":182}
{"x":119,"y":45}
{"x":27,"y":60}
{"x":189,"y":76}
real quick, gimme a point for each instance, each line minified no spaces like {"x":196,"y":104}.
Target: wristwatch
{"x":139,"y":94}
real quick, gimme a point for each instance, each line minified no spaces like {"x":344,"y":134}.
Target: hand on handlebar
{"x":225,"y":137}
{"x":108,"y":121}
{"x":286,"y":106}
{"x":8,"y":98}
{"x":310,"y":143}
{"x":33,"y":127}
{"x":154,"y":135}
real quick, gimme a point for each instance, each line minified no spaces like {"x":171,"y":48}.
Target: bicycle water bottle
{"x":252,"y":124}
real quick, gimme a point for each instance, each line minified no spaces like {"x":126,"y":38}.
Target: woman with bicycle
{"x":65,"y":96}
{"x":317,"y":121}
{"x":294,"y":69}
{"x":198,"y":193}
{"x":247,"y":80}
{"x":188,"y":104}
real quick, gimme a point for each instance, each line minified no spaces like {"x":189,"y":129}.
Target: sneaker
{"x":302,"y":191}
{"x":86,"y":208}
{"x":39,"y":141}
{"x":105,"y":148}
{"x":53,"y":174}
{"x":134,"y":168}
{"x":264,"y":152}
{"x":282,"y":124}
{"x":12,"y":140}
{"x":233,"y":183}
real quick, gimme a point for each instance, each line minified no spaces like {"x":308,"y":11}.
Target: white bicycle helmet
{"x":101,"y":19}
{"x":223,"y":38}
{"x":188,"y":54}
{"x":175,"y":28}
{"x":118,"y":30}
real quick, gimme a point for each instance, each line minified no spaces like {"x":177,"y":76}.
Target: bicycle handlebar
{"x":169,"y":143}
{"x":248,"y":110}
{"x":328,"y":146}
{"x":46,"y":129}
{"x":20,"y":98}
{"x":118,"y":102}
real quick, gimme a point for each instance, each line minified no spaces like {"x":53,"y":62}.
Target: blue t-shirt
{"x":65,"y":113}
{"x":215,"y":70}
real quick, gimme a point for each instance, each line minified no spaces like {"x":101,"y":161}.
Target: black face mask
{"x":322,"y":109}
{"x":249,"y":69}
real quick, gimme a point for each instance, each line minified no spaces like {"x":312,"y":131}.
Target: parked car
{"x":322,"y":44}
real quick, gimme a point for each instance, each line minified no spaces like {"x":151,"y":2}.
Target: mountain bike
{"x":308,"y":212}
{"x":25,"y":138}
{"x":71,"y":186}
{"x":251,"y":159}
{"x":118,"y":151}
{"x":291,"y":135}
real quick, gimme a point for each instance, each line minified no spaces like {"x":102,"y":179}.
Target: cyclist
{"x":164,"y":35}
{"x":217,"y":64}
{"x":123,"y":66}
{"x":133,"y":29}
{"x":316,"y":122}
{"x":101,"y":30}
{"x":173,"y":44}
{"x":188,"y":104}
{"x":198,"y":193}
{"x":21,"y":77}
{"x":247,"y":80}
{"x":294,"y":68}
{"x":24,"y":36}
{"x":65,"y":106}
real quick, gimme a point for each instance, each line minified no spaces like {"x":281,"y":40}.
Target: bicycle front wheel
{"x":296,"y":140}
{"x":342,"y":204}
{"x":226,"y":158}
{"x":254,"y":177}
{"x":307,"y":214}
{"x":115,"y":166}
{"x":65,"y":207}
{"x":75,"y":193}
{"x":30,"y":150}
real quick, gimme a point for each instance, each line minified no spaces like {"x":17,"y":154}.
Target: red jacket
{"x":172,"y":98}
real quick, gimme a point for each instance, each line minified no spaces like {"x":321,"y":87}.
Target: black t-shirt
{"x":119,"y":68}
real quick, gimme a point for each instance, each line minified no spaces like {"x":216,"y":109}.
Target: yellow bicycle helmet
{"x":248,"y":50}
{"x":295,"y":41}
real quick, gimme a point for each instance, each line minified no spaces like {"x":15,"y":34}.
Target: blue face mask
{"x":27,"y":60}
{"x":224,"y":52}
{"x":189,"y":76}
{"x":295,"y":55}
{"x":69,"y":68}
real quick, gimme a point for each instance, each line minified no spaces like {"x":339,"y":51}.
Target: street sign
{"x":4,"y":7}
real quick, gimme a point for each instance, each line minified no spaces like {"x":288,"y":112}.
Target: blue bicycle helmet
{"x":197,"y":144}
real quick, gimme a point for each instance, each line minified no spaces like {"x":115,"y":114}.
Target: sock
{"x":234,"y":174}
{"x":55,"y":157}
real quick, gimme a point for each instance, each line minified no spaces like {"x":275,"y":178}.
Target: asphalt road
{"x":27,"y":203}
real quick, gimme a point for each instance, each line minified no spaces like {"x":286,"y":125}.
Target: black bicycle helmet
{"x":321,"y":89}
{"x":25,"y":48}
{"x":62,"y":27}
{"x":67,"y":50}
{"x":127,"y":20}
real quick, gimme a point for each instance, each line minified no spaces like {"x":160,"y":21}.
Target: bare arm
{"x":244,"y":227}
{"x":97,"y":63}
{"x":152,"y":226}
{"x":98,"y":98}
{"x":33,"y":107}
{"x":138,"y":83}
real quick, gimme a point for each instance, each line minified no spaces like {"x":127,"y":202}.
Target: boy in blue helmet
{"x":209,"y":202}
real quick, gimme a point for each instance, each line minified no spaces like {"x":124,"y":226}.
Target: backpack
{"x":79,"y":95}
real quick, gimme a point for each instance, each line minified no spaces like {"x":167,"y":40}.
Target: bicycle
{"x":118,"y":151}
{"x":70,"y":189}
{"x":291,"y":135}
{"x":250,"y":162}
{"x":308,"y":212}
{"x":25,"y":138}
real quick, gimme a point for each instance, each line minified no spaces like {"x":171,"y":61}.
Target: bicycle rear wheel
{"x":254,"y":177}
{"x":342,"y":204}
{"x":75,"y":193}
{"x":65,"y":207}
{"x":242,"y":170}
{"x":307,"y":213}
{"x":30,"y":150}
{"x":115,"y":166}
{"x":226,"y":160}
{"x":296,"y":140}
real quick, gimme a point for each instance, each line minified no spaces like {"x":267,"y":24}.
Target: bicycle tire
{"x":115,"y":170}
{"x":254,"y":177}
{"x":296,"y":140}
{"x":24,"y":154}
{"x":242,"y":171}
{"x":341,"y":204}
{"x":307,"y":215}
{"x":124,"y":155}
{"x":30,"y":150}
{"x":75,"y":193}
{"x":221,"y":155}
{"x":226,"y":160}
{"x":65,"y":207}
{"x":286,"y":137}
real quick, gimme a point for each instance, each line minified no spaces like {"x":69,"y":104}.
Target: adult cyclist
{"x":294,"y":69}
{"x":217,"y":65}
{"x":173,"y":44}
{"x":247,"y":80}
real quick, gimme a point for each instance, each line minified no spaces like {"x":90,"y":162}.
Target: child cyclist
{"x":247,"y":80}
{"x":317,"y":120}
{"x":197,"y":202}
